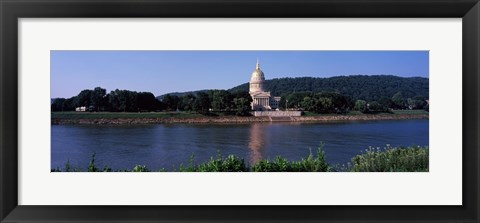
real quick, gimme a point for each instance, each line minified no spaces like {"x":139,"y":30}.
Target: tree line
{"x":116,"y":101}
{"x":331,"y":102}
{"x":203,"y":102}
{"x":367,"y":94}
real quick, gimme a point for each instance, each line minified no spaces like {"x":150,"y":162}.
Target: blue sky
{"x":162,"y":72}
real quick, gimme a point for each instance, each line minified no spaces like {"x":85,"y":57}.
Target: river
{"x":169,"y":145}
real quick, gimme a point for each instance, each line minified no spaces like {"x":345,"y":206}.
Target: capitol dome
{"x":257,"y":79}
{"x":257,"y":75}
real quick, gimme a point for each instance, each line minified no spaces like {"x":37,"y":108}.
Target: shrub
{"x":279,"y":164}
{"x":230,"y":164}
{"x":91,"y":166}
{"x":107,"y":169}
{"x":140,"y":168}
{"x":310,"y":164}
{"x":68,"y":167}
{"x":411,"y":159}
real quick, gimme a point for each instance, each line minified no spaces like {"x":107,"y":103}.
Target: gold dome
{"x":257,"y":75}
{"x":257,"y":79}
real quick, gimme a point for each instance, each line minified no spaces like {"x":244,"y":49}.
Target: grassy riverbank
{"x":193,"y":117}
{"x":408,"y":159}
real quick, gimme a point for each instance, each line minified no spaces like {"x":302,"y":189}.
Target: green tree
{"x":241,"y":103}
{"x":98,"y":98}
{"x":361,"y":105}
{"x":324,"y":105}
{"x":221,"y":100}
{"x":242,"y":106}
{"x":202,"y":103}
{"x":123,"y":100}
{"x":398,"y":100}
{"x":340,"y":103}
{"x":386,"y":103}
{"x":294,"y":100}
{"x":146,"y":101}
{"x":62,"y":104}
{"x":84,"y":98}
{"x":417,"y":102}
{"x":186,"y":102}
{"x":171,"y":101}
{"x":308,"y":104}
{"x":375,"y":106}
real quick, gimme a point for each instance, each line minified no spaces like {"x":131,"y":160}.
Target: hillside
{"x":180,"y":94}
{"x":363,"y":87}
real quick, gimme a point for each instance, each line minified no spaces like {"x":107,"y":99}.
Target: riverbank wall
{"x":277,"y":113}
{"x":235,"y":119}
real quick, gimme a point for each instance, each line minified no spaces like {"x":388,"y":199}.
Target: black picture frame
{"x":12,"y":10}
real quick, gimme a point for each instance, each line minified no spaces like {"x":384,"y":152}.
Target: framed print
{"x":110,"y":111}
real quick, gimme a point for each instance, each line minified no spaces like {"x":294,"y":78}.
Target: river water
{"x":169,"y":145}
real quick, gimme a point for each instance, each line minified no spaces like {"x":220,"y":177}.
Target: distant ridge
{"x":357,"y":87}
{"x":365,"y":87}
{"x":179,"y":94}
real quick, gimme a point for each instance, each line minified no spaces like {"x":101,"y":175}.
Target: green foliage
{"x":191,"y":165}
{"x":312,"y":163}
{"x":376,"y":107}
{"x":219,"y":164}
{"x":361,"y":105}
{"x":279,"y":164}
{"x":202,"y":103}
{"x":107,"y":169}
{"x":208,"y":102}
{"x":84,"y":98}
{"x":56,"y":169}
{"x":140,"y":168}
{"x":186,"y":102}
{"x":398,"y":101}
{"x":132,"y":101}
{"x":241,"y":103}
{"x":242,"y":106}
{"x":417,"y":102}
{"x":62,"y":104}
{"x":98,"y":98}
{"x":294,"y":100}
{"x":386,"y":102}
{"x":411,"y":159}
{"x":325,"y":95}
{"x":171,"y":102}
{"x":117,"y":101}
{"x":221,"y":100}
{"x":357,"y":87}
{"x":321,"y":103}
{"x":229,"y":164}
{"x":91,"y":166}
{"x":68,"y":167}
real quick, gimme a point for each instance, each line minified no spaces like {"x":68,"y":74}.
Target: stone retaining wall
{"x":277,"y":113}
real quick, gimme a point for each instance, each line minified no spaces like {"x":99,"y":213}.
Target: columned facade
{"x":261,"y":99}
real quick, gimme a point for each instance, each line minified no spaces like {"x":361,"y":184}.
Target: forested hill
{"x":369,"y":88}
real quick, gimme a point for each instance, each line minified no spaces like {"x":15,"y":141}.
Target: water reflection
{"x":257,"y":141}
{"x":168,"y":146}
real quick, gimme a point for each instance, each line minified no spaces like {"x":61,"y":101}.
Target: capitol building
{"x":262,"y":100}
